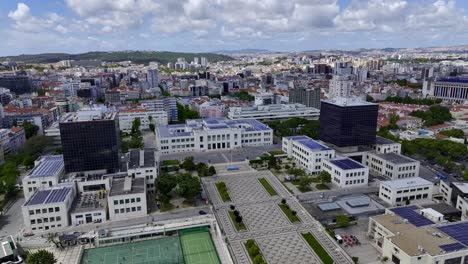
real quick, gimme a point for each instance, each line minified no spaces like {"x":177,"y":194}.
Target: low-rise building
{"x":47,"y":172}
{"x":126,"y":118}
{"x":383,"y":145}
{"x":346,"y":173}
{"x":456,"y":194}
{"x":48,"y":209}
{"x":397,"y":192}
{"x":212,"y":134}
{"x":273,"y":112}
{"x":127,"y":198}
{"x":408,"y":235}
{"x":89,"y":207}
{"x":391,"y":165}
{"x":308,"y":153}
{"x":144,"y":163}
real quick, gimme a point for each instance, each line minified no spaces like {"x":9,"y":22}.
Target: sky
{"x":74,"y":26}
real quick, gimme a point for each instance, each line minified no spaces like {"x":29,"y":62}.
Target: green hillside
{"x":135,"y":56}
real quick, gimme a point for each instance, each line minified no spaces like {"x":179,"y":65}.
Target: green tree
{"x":188,"y":164}
{"x":152,"y":127}
{"x":272,"y":162}
{"x":165,"y":183}
{"x":135,"y":132}
{"x":436,"y":115}
{"x":456,"y":133}
{"x":465,"y":175}
{"x":188,"y":187}
{"x":202,"y":169}
{"x":304,"y":182}
{"x":325,"y":177}
{"x":296,"y":172}
{"x":41,"y":257}
{"x":393,"y":120}
{"x":30,"y":129}
{"x":311,"y":129}
{"x":211,"y":171}
{"x":342,"y":220}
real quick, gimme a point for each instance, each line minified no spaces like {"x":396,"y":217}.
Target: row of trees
{"x":184,"y":113}
{"x":201,"y":168}
{"x":436,"y":115}
{"x":409,"y":100}
{"x":243,"y":95}
{"x":304,"y":180}
{"x":184,"y":185}
{"x":296,"y":126}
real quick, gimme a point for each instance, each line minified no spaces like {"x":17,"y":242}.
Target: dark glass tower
{"x":346,"y":124}
{"x":90,"y":143}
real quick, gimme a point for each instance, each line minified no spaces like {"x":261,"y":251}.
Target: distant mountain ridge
{"x":242,"y":51}
{"x":116,"y":56}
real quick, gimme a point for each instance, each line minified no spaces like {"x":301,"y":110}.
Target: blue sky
{"x":36,"y":26}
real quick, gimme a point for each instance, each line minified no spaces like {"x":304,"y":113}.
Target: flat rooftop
{"x":48,"y":196}
{"x":346,"y":164}
{"x":309,"y":143}
{"x":395,"y":158}
{"x":141,"y":158}
{"x":121,"y":186}
{"x":406,"y":183}
{"x":345,"y":102}
{"x":88,"y":115}
{"x":462,"y":186}
{"x":383,"y":141}
{"x":89,"y":201}
{"x":48,"y":166}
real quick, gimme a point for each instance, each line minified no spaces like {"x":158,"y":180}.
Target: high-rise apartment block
{"x":307,"y":97}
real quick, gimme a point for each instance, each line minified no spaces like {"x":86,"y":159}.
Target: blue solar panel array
{"x":48,"y":166}
{"x":347,"y":164}
{"x":49,"y":196}
{"x":313,"y":145}
{"x":218,"y":127}
{"x":457,"y":231}
{"x":452,"y":247}
{"x":456,"y":80}
{"x":211,"y":121}
{"x":409,"y":213}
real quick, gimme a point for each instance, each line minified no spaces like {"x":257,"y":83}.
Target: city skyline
{"x":88,"y":25}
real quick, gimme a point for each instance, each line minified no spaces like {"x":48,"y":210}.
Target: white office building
{"x":127,"y":198}
{"x":89,"y":207}
{"x":412,"y":235}
{"x":273,"y":112}
{"x":414,"y":190}
{"x":450,"y":89}
{"x":48,"y":209}
{"x":212,"y":134}
{"x":456,"y":194}
{"x":47,"y":172}
{"x":144,"y":163}
{"x":126,"y":118}
{"x":340,"y":86}
{"x":391,"y":165}
{"x":346,"y":173}
{"x":307,"y":152}
{"x":383,"y":145}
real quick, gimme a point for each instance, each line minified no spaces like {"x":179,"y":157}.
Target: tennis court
{"x":198,"y":247}
{"x":156,"y":251}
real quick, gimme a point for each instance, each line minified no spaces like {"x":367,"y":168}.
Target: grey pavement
{"x":12,"y":222}
{"x":318,"y":196}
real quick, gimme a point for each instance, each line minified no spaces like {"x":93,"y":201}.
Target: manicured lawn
{"x":223,"y":192}
{"x":287,"y":211}
{"x":319,"y":250}
{"x":322,"y":187}
{"x":238,"y":226}
{"x":254,"y":252}
{"x":267,"y":186}
{"x":170,"y":162}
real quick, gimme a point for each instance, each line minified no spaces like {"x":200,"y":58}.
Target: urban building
{"x":391,"y":165}
{"x":273,"y":112}
{"x":340,"y":86}
{"x":144,"y":163}
{"x":456,"y":194}
{"x":307,"y":97}
{"x":152,"y":78}
{"x":414,"y":190}
{"x":450,"y":89}
{"x":410,"y":234}
{"x":126,"y":118}
{"x":48,"y":209}
{"x":168,"y":104}
{"x":307,"y":152}
{"x":48,"y":171}
{"x":383,"y":145}
{"x":347,"y":122}
{"x":89,"y":207}
{"x":212,"y":134}
{"x":90,"y":141}
{"x":127,"y":198}
{"x":346,"y":173}
{"x":17,"y":84}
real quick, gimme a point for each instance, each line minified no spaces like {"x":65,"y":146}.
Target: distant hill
{"x":115,"y":56}
{"x":242,"y":51}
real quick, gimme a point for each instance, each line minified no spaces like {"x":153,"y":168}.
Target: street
{"x":12,"y":222}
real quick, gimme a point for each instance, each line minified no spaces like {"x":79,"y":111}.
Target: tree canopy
{"x":30,"y":129}
{"x":436,"y":115}
{"x":41,"y":256}
{"x":409,"y":100}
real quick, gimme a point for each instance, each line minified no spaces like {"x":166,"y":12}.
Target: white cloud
{"x":21,"y":12}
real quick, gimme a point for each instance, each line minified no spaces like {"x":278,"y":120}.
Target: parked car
{"x":202,"y":212}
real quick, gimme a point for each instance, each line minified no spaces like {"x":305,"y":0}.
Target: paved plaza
{"x":280,"y":241}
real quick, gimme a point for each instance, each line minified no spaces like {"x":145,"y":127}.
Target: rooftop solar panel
{"x":458,"y":231}
{"x":49,"y":196}
{"x":452,"y":247}
{"x":328,"y":206}
{"x":347,"y":164}
{"x":313,"y":145}
{"x":38,"y":197}
{"x":48,"y":166}
{"x":409,"y":213}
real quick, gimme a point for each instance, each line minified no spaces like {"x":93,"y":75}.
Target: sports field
{"x":193,"y":245}
{"x":198,"y":248}
{"x":156,"y":251}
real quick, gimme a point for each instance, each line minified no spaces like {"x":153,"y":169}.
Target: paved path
{"x":12,"y":222}
{"x":280,"y":241}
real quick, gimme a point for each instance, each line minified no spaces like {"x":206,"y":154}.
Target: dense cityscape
{"x":235,"y":156}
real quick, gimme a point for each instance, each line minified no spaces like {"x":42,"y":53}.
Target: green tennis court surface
{"x":198,"y":248}
{"x":194,"y":245}
{"x":156,"y":251}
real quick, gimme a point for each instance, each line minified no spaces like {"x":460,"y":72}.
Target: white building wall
{"x":127,"y":206}
{"x":389,"y":169}
{"x":310,"y":160}
{"x":346,"y":178}
{"x":394,"y":196}
{"x":126,"y":119}
{"x":97,"y":216}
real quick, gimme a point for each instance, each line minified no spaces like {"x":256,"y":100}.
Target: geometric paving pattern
{"x":246,"y":190}
{"x":285,"y":248}
{"x":263,"y":216}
